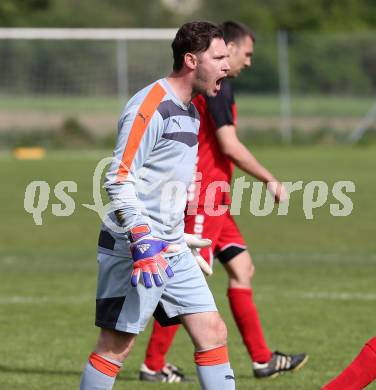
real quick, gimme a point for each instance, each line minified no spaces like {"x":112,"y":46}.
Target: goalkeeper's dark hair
{"x":235,"y":32}
{"x":193,"y":37}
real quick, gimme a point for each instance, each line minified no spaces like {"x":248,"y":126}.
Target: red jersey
{"x":212,"y":164}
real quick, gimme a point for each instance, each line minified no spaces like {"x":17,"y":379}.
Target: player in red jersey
{"x":219,"y":150}
{"x":359,"y":373}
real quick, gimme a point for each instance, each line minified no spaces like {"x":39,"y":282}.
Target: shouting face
{"x":212,"y":67}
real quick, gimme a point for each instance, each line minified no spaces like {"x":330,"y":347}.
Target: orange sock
{"x":214,"y":370}
{"x":212,"y":357}
{"x":103,"y":365}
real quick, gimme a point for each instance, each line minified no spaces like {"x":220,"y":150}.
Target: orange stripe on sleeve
{"x":139,"y":126}
{"x":212,"y":357}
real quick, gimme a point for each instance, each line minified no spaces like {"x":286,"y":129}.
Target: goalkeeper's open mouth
{"x":218,"y":83}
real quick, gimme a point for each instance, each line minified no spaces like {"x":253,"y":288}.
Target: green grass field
{"x":256,"y":105}
{"x":315,"y":281}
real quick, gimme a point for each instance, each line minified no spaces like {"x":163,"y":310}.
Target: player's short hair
{"x":193,"y":37}
{"x":235,"y":32}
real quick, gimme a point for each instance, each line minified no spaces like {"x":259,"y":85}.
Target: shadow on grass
{"x":121,"y":378}
{"x":40,"y":371}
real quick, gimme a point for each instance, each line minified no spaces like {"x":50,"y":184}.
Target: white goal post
{"x":88,"y":33}
{"x":122,"y":35}
{"x":119,"y":36}
{"x":116,"y":62}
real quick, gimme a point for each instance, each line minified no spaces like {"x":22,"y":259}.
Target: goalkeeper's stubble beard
{"x":205,"y":83}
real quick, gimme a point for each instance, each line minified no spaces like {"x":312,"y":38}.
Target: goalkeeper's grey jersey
{"x":153,"y":165}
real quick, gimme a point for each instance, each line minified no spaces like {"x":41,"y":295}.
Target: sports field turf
{"x":259,"y":105}
{"x":315,"y":282}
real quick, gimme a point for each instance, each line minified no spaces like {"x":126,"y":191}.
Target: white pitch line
{"x":326,"y":296}
{"x":16,"y":300}
{"x":315,"y":256}
{"x":336,"y":296}
{"x":302,"y":258}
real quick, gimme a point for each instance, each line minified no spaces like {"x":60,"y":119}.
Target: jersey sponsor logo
{"x":176,"y":122}
{"x":142,"y":116}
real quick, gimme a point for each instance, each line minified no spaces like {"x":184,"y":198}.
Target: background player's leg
{"x":231,"y":252}
{"x":159,"y":344}
{"x":209,"y":335}
{"x":360,"y":373}
{"x":105,"y":362}
{"x":240,"y":294}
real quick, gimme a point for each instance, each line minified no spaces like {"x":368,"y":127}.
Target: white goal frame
{"x":122,"y":35}
{"x":118,"y":35}
{"x":106,"y":34}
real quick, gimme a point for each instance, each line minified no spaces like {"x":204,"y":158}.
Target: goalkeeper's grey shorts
{"x":128,"y":309}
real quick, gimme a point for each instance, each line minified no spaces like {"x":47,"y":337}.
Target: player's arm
{"x":136,"y":139}
{"x":133,"y":146}
{"x":240,"y":155}
{"x":220,"y":108}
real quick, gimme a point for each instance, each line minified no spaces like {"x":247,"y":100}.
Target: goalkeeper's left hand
{"x":193,"y":243}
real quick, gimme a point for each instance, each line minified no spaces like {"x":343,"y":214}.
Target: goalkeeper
{"x":219,"y":149}
{"x":142,"y":239}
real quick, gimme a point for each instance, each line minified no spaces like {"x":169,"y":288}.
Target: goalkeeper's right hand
{"x":193,"y":243}
{"x":147,"y":256}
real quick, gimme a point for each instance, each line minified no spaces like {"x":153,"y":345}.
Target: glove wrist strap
{"x":138,"y":232}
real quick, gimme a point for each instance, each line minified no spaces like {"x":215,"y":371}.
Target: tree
{"x":14,"y":11}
